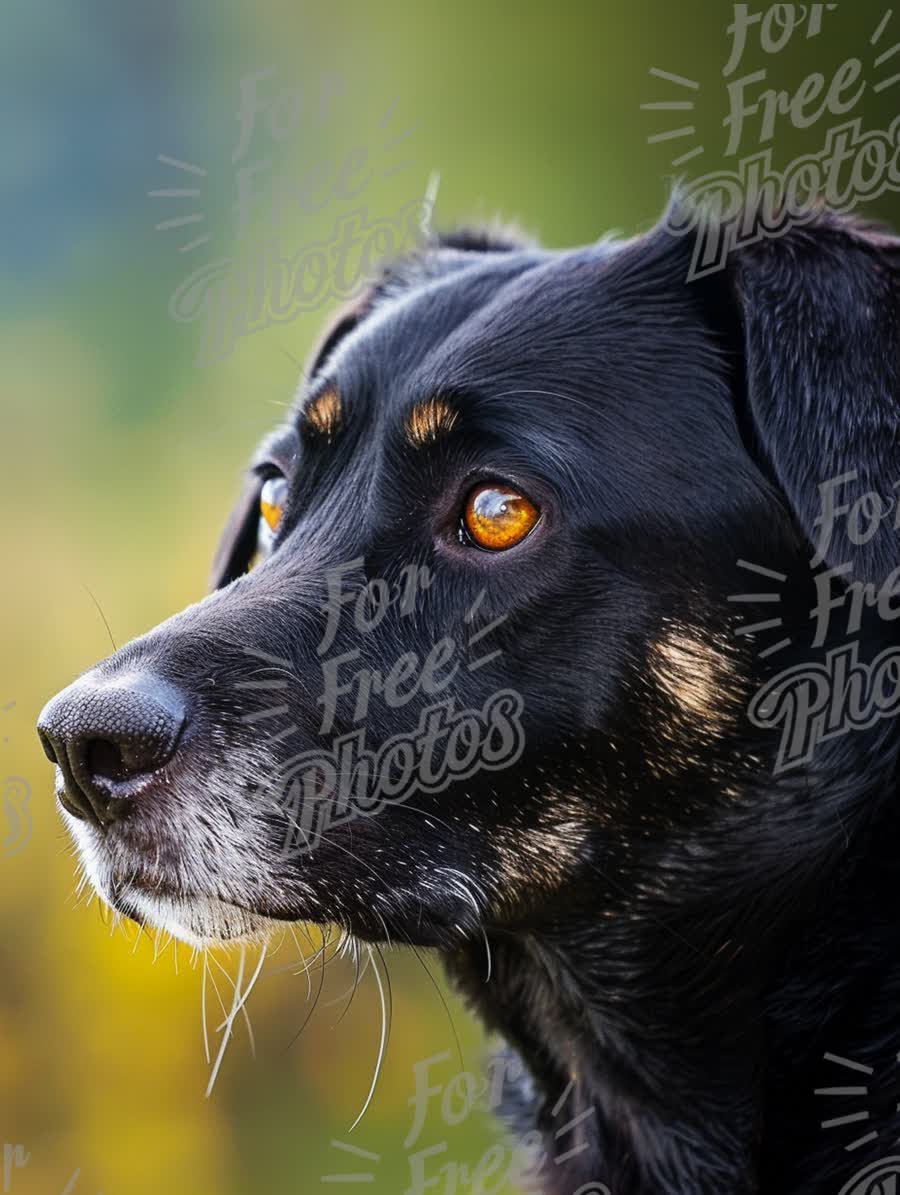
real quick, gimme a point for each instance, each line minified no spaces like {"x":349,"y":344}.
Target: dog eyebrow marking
{"x":324,"y":415}
{"x":429,"y":419}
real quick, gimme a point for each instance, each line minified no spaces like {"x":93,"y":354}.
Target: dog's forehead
{"x":459,"y":326}
{"x":410,"y":325}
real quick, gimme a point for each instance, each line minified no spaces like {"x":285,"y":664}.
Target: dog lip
{"x":72,"y":810}
{"x":124,"y":881}
{"x":120,"y":795}
{"x":124,"y":889}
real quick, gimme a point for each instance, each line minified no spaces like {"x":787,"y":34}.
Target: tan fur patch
{"x":428,"y":420}
{"x":325,"y":413}
{"x":539,"y":860}
{"x":696,"y":674}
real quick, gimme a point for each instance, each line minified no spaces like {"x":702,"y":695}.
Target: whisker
{"x":228,"y":1023}
{"x":215,"y":985}
{"x":381,"y":1044}
{"x":358,"y":977}
{"x":302,"y":962}
{"x":102,"y":615}
{"x":315,"y":1001}
{"x":446,"y":1006}
{"x":203,"y":1007}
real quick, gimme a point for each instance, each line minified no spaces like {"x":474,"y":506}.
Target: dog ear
{"x":488,"y":238}
{"x":817,"y":311}
{"x":345,"y":319}
{"x":238,"y":542}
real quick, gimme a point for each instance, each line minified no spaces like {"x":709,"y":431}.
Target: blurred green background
{"x":121,"y":453}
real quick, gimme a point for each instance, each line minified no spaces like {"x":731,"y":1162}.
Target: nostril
{"x":121,"y":757}
{"x":49,"y":747}
{"x":103,"y":758}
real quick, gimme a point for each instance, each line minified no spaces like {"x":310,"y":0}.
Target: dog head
{"x":471,"y":658}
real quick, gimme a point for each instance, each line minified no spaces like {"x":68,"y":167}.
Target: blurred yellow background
{"x":121,"y":453}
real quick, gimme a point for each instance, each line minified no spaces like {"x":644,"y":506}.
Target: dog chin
{"x":199,"y":921}
{"x":196,"y":919}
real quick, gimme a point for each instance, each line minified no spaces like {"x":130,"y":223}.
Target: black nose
{"x":106,"y":736}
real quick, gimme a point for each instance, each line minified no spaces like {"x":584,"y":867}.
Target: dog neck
{"x":664,"y":1042}
{"x":613,"y":1084}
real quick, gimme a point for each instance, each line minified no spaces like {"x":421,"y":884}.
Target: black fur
{"x":677,"y":933}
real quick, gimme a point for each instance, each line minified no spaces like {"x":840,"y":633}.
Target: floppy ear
{"x":488,"y":238}
{"x":237,"y":545}
{"x":818,"y":310}
{"x":344,"y":320}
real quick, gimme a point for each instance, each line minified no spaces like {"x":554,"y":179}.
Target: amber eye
{"x":497,"y":516}
{"x":272,"y":500}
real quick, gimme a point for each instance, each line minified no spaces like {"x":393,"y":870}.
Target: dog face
{"x":470,"y":659}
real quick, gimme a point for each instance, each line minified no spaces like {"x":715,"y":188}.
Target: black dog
{"x":541,"y":527}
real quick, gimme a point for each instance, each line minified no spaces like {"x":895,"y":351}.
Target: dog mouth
{"x":206,"y":882}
